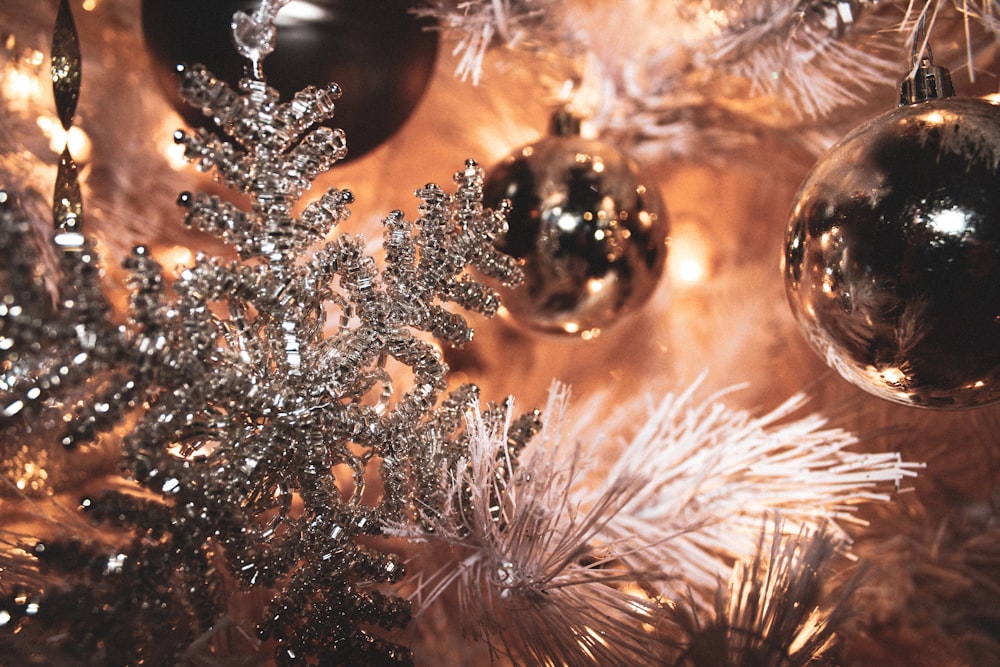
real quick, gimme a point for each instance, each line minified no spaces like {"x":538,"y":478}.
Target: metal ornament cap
{"x":892,"y":255}
{"x":928,"y":82}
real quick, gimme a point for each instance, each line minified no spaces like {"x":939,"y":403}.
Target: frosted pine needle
{"x":670,"y":92}
{"x":773,"y":610}
{"x":532,"y":576}
{"x":550,"y":559}
{"x":714,"y":472}
{"x":481,"y":25}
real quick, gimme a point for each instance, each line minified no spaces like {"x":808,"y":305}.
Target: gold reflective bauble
{"x":589,"y":230}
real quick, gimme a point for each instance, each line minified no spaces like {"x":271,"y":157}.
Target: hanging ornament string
{"x":892,"y":251}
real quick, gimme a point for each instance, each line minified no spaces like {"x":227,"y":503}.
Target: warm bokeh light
{"x":76,"y":139}
{"x":170,"y":149}
{"x":173,"y":259}
{"x":22,"y":84}
{"x":691,"y":256}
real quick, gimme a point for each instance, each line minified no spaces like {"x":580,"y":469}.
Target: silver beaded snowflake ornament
{"x":261,"y":393}
{"x":272,"y":402}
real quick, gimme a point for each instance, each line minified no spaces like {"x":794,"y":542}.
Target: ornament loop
{"x":254,"y":34}
{"x":565,"y":123}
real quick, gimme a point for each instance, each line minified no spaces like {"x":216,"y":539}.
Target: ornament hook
{"x":254,"y":34}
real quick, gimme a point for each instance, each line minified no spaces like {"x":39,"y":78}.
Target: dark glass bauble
{"x":589,"y":230}
{"x":892,"y":254}
{"x":381,"y":55}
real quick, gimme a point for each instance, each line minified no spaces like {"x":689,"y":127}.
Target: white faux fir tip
{"x":532,"y":575}
{"x":713,"y":474}
{"x":585,"y":539}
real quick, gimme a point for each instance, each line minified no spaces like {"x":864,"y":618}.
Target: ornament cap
{"x":565,"y":122}
{"x":926,"y":82}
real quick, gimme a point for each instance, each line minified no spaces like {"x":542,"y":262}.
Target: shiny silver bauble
{"x":892,"y":254}
{"x":589,"y":229}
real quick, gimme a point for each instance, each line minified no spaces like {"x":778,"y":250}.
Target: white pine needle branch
{"x":714,"y":473}
{"x":774,"y":609}
{"x":476,"y":26}
{"x":531,"y":574}
{"x":555,"y":567}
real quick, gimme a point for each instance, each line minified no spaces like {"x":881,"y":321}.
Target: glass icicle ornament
{"x":588,"y":227}
{"x":892,"y":251}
